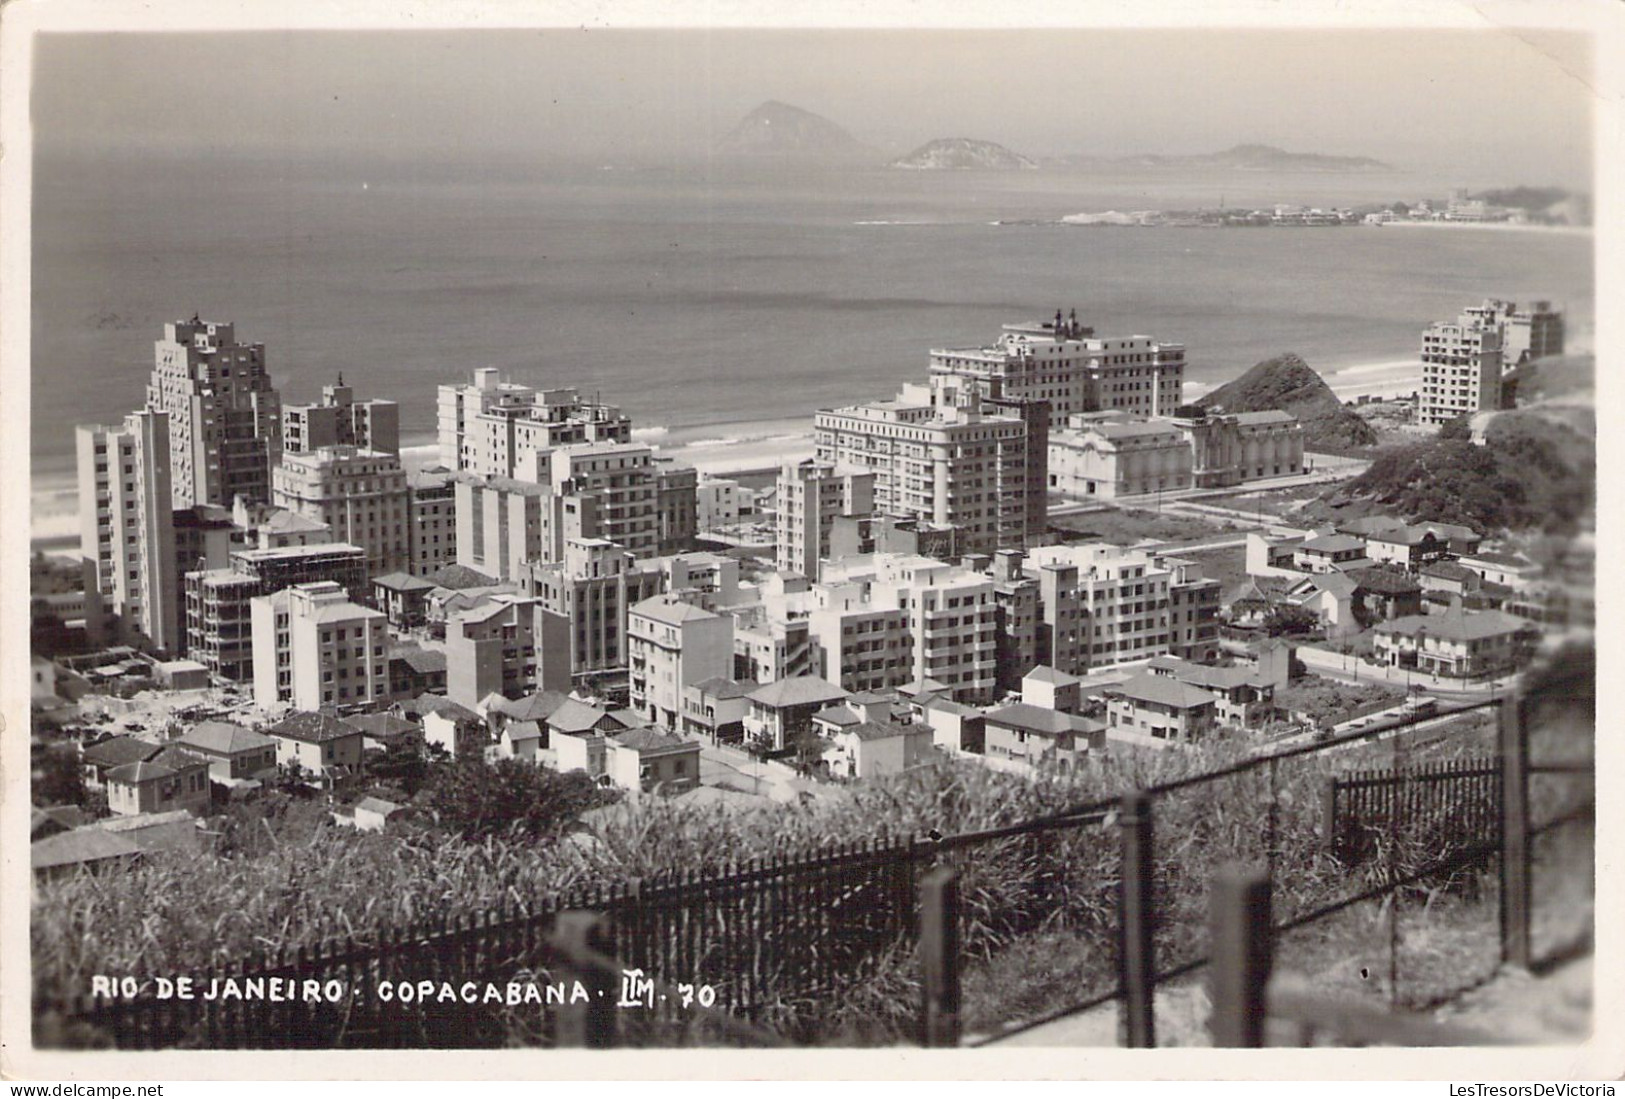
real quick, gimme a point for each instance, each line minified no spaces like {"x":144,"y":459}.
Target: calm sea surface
{"x":706,"y":301}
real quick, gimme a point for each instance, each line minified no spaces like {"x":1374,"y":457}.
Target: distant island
{"x":778,"y":131}
{"x":1239,"y":158}
{"x":963,"y":154}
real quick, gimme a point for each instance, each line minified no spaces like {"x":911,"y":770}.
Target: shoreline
{"x":719,"y":449}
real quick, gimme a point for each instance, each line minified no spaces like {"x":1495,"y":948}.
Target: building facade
{"x":1100,"y":456}
{"x":338,"y":419}
{"x":811,"y":496}
{"x":1062,"y":362}
{"x":671,"y":646}
{"x":891,"y":620}
{"x":431,"y":520}
{"x":360,"y":495}
{"x":510,"y":646}
{"x":313,"y":647}
{"x":225,"y":429}
{"x":127,"y":532}
{"x":951,"y":465}
{"x":486,"y":427}
{"x":1461,"y":367}
{"x":593,"y":587}
{"x":219,"y":621}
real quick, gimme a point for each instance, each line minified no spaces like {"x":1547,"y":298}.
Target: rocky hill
{"x":963,"y":154}
{"x":777,"y":130}
{"x":1288,"y":383}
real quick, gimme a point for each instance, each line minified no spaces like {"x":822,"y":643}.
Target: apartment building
{"x":218,"y":616}
{"x":676,"y":506}
{"x":673,"y":645}
{"x":127,"y":532}
{"x":205,"y":538}
{"x":622,"y":482}
{"x":593,"y":586}
{"x":431,"y":520}
{"x":890,"y":620}
{"x":509,"y":646}
{"x":1100,"y":605}
{"x":811,"y":496}
{"x":1062,"y":362}
{"x":716,"y":502}
{"x":485,"y":428}
{"x":360,"y":494}
{"x":225,"y":428}
{"x":338,"y":419}
{"x":953,"y":465}
{"x":1017,"y":620}
{"x":1461,"y":367}
{"x":769,"y":646}
{"x":313,"y":647}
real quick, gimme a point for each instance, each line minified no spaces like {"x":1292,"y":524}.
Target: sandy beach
{"x":721,"y":449}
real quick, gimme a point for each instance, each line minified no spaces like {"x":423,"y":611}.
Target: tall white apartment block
{"x":486,"y":427}
{"x":888,"y":620}
{"x":622,"y":480}
{"x":593,"y":585}
{"x":1100,"y":605}
{"x":811,"y":496}
{"x":338,"y":419}
{"x":360,"y":494}
{"x":509,"y":645}
{"x":949,"y":465}
{"x":1461,"y":367}
{"x":671,"y":645}
{"x":313,"y":647}
{"x":225,"y":428}
{"x":127,"y":531}
{"x":1066,"y":364}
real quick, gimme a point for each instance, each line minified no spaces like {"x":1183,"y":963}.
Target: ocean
{"x":706,"y":303}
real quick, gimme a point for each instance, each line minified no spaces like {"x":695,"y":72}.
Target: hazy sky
{"x":1489,"y":102}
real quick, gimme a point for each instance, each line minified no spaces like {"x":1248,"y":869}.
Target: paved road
{"x":1350,"y":669}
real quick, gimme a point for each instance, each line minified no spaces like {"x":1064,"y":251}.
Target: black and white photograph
{"x":806,"y":534}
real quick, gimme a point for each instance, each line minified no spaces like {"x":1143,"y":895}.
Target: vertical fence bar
{"x":590,"y":1025}
{"x":939,"y":957}
{"x":1240,"y":937}
{"x":1515,"y":887}
{"x":1136,"y":959}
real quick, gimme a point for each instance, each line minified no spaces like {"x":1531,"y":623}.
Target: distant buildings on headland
{"x":1460,"y":209}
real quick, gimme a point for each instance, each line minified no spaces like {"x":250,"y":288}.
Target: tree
{"x":58,"y":779}
{"x":476,"y":799}
{"x":1285,"y":620}
{"x":1459,"y":428}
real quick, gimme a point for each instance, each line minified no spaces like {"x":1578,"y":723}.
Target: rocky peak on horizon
{"x":963,"y":153}
{"x":775,"y":129}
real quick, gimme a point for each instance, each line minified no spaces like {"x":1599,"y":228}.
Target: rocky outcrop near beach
{"x":957,"y":154}
{"x":1288,"y":383}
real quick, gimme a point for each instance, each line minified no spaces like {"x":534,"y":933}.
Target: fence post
{"x":1136,"y":959}
{"x":1515,"y":887}
{"x":1240,"y":936}
{"x":590,"y":1025}
{"x":1328,"y":815}
{"x":939,"y":956}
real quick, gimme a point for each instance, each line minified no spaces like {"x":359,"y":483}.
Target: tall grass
{"x":309,"y":881}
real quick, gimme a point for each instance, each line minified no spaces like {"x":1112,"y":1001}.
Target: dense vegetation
{"x":1288,"y":383}
{"x":1531,"y":473}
